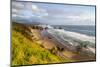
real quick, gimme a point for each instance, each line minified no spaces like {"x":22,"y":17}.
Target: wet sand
{"x":50,"y":42}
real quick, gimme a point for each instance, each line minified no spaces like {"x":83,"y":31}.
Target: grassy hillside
{"x":25,"y":51}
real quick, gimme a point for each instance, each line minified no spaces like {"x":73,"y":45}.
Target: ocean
{"x":82,"y":29}
{"x":74,"y":35}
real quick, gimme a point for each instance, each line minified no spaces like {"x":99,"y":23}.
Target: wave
{"x":79,"y":36}
{"x":75,"y":35}
{"x":73,"y":38}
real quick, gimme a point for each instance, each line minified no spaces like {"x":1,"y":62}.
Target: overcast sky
{"x":53,"y":14}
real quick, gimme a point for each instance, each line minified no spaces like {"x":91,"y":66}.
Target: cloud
{"x":82,"y":17}
{"x":15,"y":11}
{"x":43,"y":13}
{"x":35,"y":8}
{"x":14,"y":15}
{"x":17,"y":5}
{"x":75,"y":17}
{"x":67,"y":18}
{"x":40,"y":12}
{"x":28,"y":11}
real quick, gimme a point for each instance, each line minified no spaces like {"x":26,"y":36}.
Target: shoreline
{"x":76,"y":35}
{"x":50,"y":42}
{"x":28,"y":42}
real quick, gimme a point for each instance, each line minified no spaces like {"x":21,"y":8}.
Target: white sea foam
{"x":75,"y":35}
{"x":79,"y":36}
{"x":59,"y":33}
{"x":91,"y":49}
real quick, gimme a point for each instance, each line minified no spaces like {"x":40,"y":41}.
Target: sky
{"x":53,"y":14}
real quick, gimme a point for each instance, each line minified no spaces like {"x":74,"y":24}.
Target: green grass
{"x":25,"y":51}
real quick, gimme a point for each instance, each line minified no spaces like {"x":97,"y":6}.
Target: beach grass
{"x":26,"y":52}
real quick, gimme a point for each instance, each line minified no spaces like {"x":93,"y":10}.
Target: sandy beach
{"x":50,"y":42}
{"x":34,"y":45}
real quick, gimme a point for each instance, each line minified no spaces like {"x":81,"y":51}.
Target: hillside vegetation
{"x":25,"y":51}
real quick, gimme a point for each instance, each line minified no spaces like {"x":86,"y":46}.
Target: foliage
{"x":25,"y":51}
